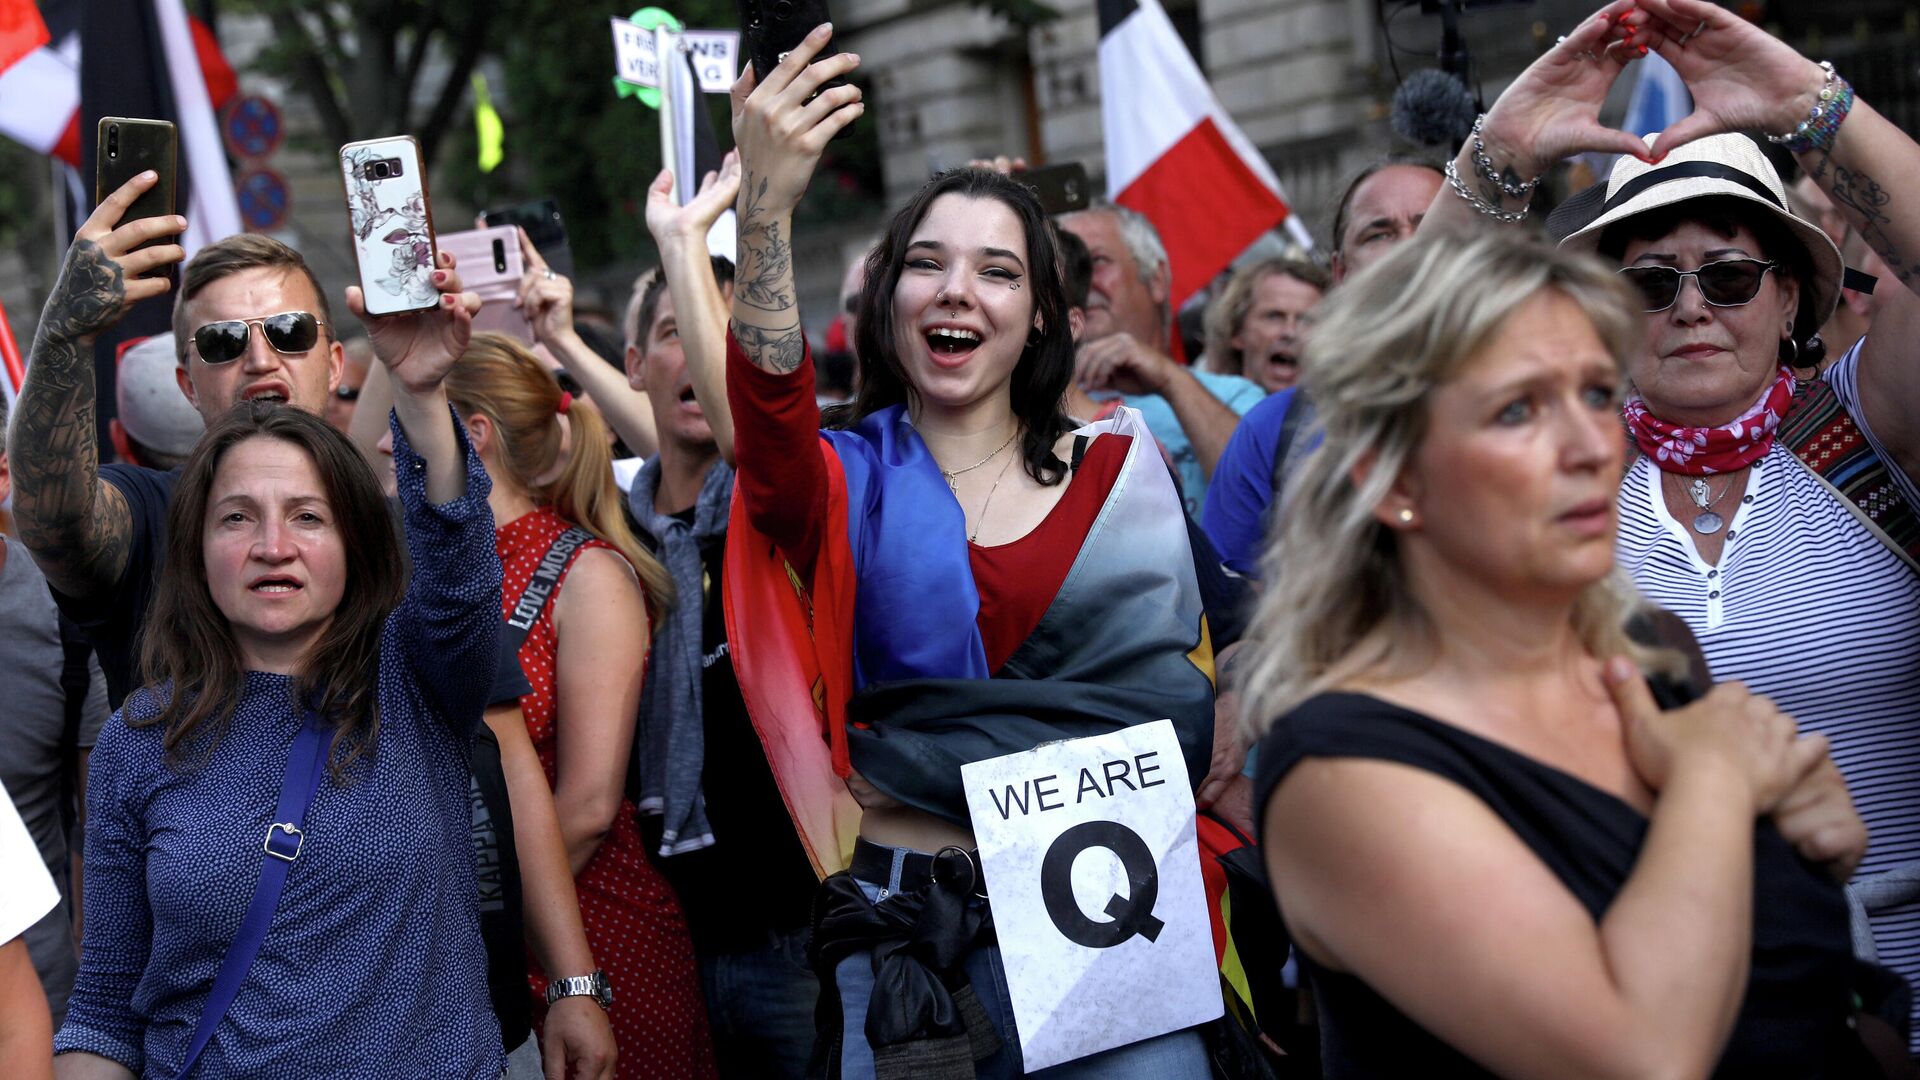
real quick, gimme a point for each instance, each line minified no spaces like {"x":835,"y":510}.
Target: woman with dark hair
{"x":581,"y":593}
{"x":283,"y":618}
{"x":983,"y":536}
{"x":1770,"y":504}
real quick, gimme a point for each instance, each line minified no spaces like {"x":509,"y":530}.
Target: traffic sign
{"x":253,"y":128}
{"x":264,"y":199}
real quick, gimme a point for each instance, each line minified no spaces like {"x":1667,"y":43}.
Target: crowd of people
{"x":1545,"y":601}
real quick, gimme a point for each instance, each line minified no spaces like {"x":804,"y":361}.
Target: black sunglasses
{"x":226,"y":341}
{"x":1728,"y":283}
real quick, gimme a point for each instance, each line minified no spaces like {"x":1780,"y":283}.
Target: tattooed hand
{"x":101,"y":278}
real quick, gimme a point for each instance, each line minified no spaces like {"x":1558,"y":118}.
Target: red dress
{"x":633,"y":922}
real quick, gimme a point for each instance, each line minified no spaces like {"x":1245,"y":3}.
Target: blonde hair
{"x":499,"y":378}
{"x":1338,"y":603}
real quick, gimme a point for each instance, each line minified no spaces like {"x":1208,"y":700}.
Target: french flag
{"x":1174,"y":154}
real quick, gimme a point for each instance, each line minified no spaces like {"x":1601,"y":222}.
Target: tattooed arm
{"x":78,"y":527}
{"x":1861,"y":175}
{"x":781,"y":128}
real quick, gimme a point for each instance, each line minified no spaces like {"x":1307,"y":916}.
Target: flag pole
{"x":10,"y":356}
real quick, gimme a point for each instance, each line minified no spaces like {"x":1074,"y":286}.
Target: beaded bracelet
{"x":1483,"y":165}
{"x":1822,"y":124}
{"x":1511,"y":217}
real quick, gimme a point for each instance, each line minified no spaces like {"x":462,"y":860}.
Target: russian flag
{"x":1174,"y":154}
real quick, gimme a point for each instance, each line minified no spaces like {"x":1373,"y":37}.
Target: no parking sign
{"x":1094,"y":874}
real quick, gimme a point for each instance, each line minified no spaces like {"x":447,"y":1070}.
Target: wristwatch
{"x":594,"y":985}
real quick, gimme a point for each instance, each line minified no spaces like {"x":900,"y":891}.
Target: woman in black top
{"x":1497,"y":855}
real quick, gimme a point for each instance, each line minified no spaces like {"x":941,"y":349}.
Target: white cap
{"x":150,"y":403}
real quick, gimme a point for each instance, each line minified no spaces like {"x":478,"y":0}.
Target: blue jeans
{"x":760,"y":1007}
{"x":1179,"y":1055}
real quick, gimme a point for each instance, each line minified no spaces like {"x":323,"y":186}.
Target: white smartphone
{"x":392,"y":222}
{"x":489,"y":263}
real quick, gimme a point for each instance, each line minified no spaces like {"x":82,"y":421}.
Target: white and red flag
{"x":1174,"y":154}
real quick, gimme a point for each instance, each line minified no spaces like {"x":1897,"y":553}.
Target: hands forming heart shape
{"x":1741,"y":79}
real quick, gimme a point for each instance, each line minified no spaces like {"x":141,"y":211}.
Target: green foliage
{"x":23,"y":184}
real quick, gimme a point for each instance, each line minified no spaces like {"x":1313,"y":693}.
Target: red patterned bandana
{"x":1697,"y":451}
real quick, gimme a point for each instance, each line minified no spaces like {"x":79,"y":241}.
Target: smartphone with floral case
{"x":392,"y":220}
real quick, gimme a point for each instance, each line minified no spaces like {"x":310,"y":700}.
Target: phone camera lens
{"x":380,"y":170}
{"x":783,"y":9}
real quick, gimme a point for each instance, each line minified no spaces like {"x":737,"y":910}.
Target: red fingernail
{"x":447,"y":300}
{"x":1643,"y":50}
{"x":439,"y":277}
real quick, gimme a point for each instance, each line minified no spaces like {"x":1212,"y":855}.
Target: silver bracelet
{"x":1483,"y":165}
{"x":1511,"y":217}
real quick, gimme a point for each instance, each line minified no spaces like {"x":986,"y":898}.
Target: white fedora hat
{"x":1717,"y":165}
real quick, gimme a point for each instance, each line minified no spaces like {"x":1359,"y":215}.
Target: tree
{"x":362,"y":62}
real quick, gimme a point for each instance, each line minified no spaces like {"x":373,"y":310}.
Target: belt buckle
{"x":284,"y":828}
{"x":976,"y":874}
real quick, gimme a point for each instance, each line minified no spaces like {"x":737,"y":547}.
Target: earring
{"x":1405,"y":515}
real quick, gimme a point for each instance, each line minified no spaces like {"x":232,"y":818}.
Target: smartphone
{"x":392,"y":221}
{"x":770,"y":29}
{"x":541,"y":219}
{"x":126,"y":147}
{"x":490,"y":264}
{"x":1062,"y":189}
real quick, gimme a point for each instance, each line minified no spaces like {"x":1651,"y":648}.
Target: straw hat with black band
{"x":1717,"y":165}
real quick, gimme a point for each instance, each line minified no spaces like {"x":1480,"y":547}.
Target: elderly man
{"x":1381,"y":207}
{"x":1258,"y":324}
{"x":1128,"y":319}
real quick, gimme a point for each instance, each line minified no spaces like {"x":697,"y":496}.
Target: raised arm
{"x":1743,"y":78}
{"x":699,"y":305}
{"x":78,"y":527}
{"x":546,"y":298}
{"x":1549,"y":113}
{"x":781,"y":129}
{"x":448,"y":625}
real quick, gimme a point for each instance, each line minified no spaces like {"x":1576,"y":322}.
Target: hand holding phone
{"x":492,"y":267}
{"x":103,"y":273}
{"x":125,"y":147}
{"x":392,"y":224}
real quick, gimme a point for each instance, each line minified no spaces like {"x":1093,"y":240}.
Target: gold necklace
{"x":953,"y":476}
{"x":981,"y":520}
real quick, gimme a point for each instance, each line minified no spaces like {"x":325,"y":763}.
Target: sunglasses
{"x":226,"y":341}
{"x":1728,"y":283}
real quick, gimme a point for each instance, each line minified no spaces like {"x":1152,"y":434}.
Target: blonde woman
{"x":580,"y":590}
{"x":1495,"y":853}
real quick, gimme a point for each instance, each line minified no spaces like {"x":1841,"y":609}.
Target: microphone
{"x":1432,"y":108}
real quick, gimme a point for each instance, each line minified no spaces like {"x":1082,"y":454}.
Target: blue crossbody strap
{"x":306,"y":762}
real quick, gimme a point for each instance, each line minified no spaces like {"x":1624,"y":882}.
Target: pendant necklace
{"x":953,"y":477}
{"x":982,"y":519}
{"x":1706,"y":522}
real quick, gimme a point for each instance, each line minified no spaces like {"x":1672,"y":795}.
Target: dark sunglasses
{"x":1728,"y":283}
{"x":226,"y":341}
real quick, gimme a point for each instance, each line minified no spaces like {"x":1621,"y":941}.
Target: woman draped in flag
{"x":950,"y":573}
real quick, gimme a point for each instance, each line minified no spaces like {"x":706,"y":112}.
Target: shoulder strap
{"x":540,"y":588}
{"x":305,"y":764}
{"x":1824,"y":437}
{"x":1079,"y":451}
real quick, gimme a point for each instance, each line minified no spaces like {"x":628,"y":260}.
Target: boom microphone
{"x":1432,"y":108}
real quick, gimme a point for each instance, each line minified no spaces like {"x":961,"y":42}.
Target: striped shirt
{"x":1809,"y":608}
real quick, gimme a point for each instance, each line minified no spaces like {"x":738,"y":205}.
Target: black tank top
{"x":1794,"y":1020}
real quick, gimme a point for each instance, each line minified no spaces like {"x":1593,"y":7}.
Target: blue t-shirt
{"x":1233,"y":391}
{"x":1235,"y":516}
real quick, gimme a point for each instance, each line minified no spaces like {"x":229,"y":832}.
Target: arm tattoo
{"x":1866,"y":202}
{"x":779,"y":351}
{"x":77,"y":530}
{"x":765,"y":280}
{"x":764,"y":283}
